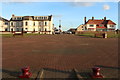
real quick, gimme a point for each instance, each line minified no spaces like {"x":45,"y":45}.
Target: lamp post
{"x":60,"y":25}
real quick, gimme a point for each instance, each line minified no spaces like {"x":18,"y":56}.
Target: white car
{"x":69,"y":32}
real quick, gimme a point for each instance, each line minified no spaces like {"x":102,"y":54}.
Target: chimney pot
{"x":13,"y":15}
{"x":85,"y":20}
{"x":92,"y":18}
{"x":104,"y":18}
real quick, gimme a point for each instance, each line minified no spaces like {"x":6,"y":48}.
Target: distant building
{"x":97,"y":25}
{"x":41,"y":24}
{"x":4,"y":24}
{"x":73,"y":30}
{"x":81,"y":28}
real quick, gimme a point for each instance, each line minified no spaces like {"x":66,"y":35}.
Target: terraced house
{"x":4,"y":24}
{"x":41,"y":24}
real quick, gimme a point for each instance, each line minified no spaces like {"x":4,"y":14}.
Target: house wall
{"x":109,"y":27}
{"x":3,"y":26}
{"x":80,"y":28}
{"x":88,"y":26}
{"x":31,"y":27}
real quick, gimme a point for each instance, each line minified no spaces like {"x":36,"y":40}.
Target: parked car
{"x":69,"y":32}
{"x":57,"y":31}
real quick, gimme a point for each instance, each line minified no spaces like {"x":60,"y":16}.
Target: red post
{"x":25,"y":73}
{"x":96,"y":73}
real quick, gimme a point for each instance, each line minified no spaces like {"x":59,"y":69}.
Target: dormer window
{"x":41,"y":17}
{"x":44,"y":17}
{"x":38,"y":17}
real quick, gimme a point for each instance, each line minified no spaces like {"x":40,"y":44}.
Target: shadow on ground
{"x":8,"y":73}
{"x":107,"y":67}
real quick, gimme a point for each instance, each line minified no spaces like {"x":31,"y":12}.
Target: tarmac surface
{"x":60,"y":52}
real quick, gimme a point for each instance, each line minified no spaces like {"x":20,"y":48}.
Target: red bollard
{"x":96,"y":73}
{"x":25,"y":73}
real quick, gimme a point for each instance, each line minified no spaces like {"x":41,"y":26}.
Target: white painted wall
{"x":32,"y":27}
{"x":108,"y":26}
{"x":88,"y":26}
{"x":3,"y":26}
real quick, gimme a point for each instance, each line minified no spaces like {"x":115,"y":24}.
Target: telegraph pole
{"x":60,"y":25}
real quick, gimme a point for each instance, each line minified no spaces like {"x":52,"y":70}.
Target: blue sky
{"x":71,"y":14}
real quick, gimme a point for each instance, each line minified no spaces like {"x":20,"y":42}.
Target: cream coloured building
{"x":4,"y":24}
{"x":81,"y":28}
{"x":41,"y":24}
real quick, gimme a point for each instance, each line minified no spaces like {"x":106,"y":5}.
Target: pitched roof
{"x":31,"y":18}
{"x":90,"y":21}
{"x":3,"y":19}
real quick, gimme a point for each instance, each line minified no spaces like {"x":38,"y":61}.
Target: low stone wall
{"x":5,"y":32}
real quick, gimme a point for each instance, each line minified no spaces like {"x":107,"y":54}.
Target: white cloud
{"x":106,"y":7}
{"x":84,"y":4}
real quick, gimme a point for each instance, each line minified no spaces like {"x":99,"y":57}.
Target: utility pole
{"x":60,"y":25}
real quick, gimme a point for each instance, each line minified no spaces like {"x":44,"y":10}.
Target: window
{"x":91,"y":25}
{"x":18,"y":18}
{"x":6,"y":29}
{"x":14,"y":18}
{"x":42,"y":17}
{"x":34,"y":24}
{"x":11,"y":23}
{"x":100,"y":25}
{"x":40,"y":23}
{"x":17,"y":29}
{"x":111,"y":25}
{"x":26,"y":29}
{"x":40,"y":29}
{"x":89,"y":29}
{"x":11,"y":29}
{"x":45,"y":23}
{"x":45,"y":29}
{"x":34,"y":29}
{"x":38,"y":17}
{"x":26,"y":23}
{"x":6,"y":23}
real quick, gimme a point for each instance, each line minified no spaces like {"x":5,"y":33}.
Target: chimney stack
{"x":92,"y":18}
{"x":13,"y":15}
{"x":104,"y":18}
{"x":85,"y":20}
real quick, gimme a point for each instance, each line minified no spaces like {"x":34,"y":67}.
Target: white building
{"x":4,"y":24}
{"x":81,"y":28}
{"x":99,"y":25}
{"x":41,"y":24}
